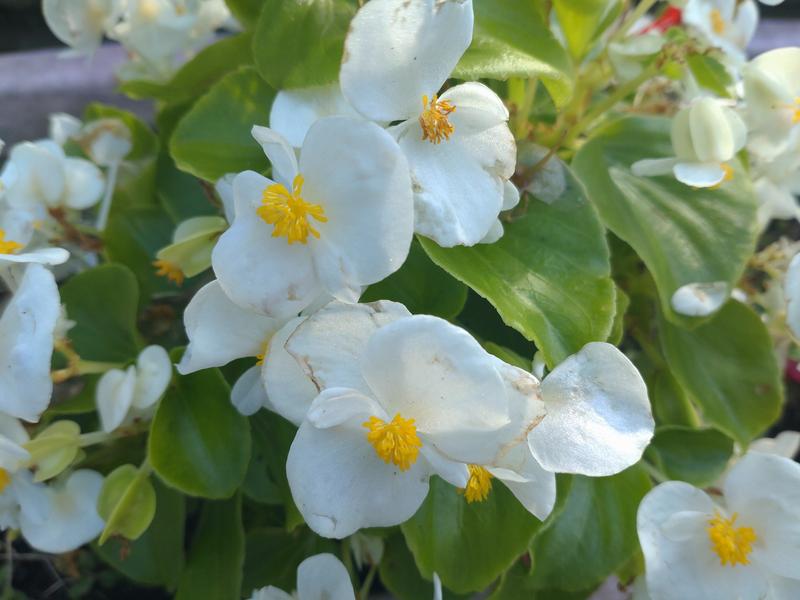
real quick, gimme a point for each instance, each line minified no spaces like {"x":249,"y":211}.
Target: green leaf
{"x":213,"y":138}
{"x":127,"y":503}
{"x":102,"y":301}
{"x":594,"y":534}
{"x":710,"y":74}
{"x":517,"y":583}
{"x":582,"y":21}
{"x":728,"y":369}
{"x":216,"y":556}
{"x":299,"y":43}
{"x":399,"y":573}
{"x":670,"y":403}
{"x":181,"y":194}
{"x":422,"y":286}
{"x":272,"y":556}
{"x":683,"y":235}
{"x":512,"y":39}
{"x":197,"y":75}
{"x":198,"y":442}
{"x":468,"y":544}
{"x":548,"y":276}
{"x":266,"y":474}
{"x":697,"y":456}
{"x":246,"y":11}
{"x":618,"y":329}
{"x":156,"y":558}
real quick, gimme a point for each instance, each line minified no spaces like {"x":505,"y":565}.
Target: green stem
{"x":637,"y":13}
{"x":95,"y":437}
{"x":363,"y":593}
{"x":521,"y":123}
{"x":88,"y":367}
{"x":8,"y":588}
{"x":347,"y":559}
{"x":654,"y":473}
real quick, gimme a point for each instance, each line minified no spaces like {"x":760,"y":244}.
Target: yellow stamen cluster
{"x":264,"y":350}
{"x":796,"y":115}
{"x":732,"y":544}
{"x":478,"y":486}
{"x":434,"y":119}
{"x":8,"y":246}
{"x":289,"y":213}
{"x":396,"y":442}
{"x":718,"y":23}
{"x":171,"y":271}
{"x":5,"y":479}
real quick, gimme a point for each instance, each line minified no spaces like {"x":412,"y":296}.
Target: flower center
{"x":479,"y":484}
{"x":169,"y":270}
{"x":434,"y":119}
{"x":5,"y":479}
{"x":8,"y":246}
{"x":289,"y":213}
{"x":718,"y":24}
{"x":396,"y":442}
{"x":796,"y":115}
{"x":732,"y":544}
{"x":264,"y":350}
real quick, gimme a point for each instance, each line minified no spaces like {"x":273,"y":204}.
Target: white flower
{"x":43,"y":176}
{"x":319,"y":577}
{"x":122,"y":396}
{"x":458,"y":144}
{"x":322,"y":351}
{"x":428,"y":401}
{"x":792,"y":295}
{"x":106,"y":141}
{"x":630,"y":55}
{"x":71,"y":518}
{"x":726,"y":24}
{"x":337,"y":220}
{"x":80,"y":24}
{"x":772,"y":94}
{"x":700,"y":299}
{"x":220,"y":331}
{"x":705,"y":136}
{"x":776,"y":178}
{"x":785,"y":444}
{"x":62,"y":127}
{"x":16,"y":241}
{"x":27,"y":331}
{"x":744,"y":545}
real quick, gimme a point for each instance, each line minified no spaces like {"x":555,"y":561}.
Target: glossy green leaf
{"x":299,"y":43}
{"x":195,"y":77}
{"x":182,"y":195}
{"x":697,"y":456}
{"x":266,"y":474}
{"x":710,"y":74}
{"x":728,"y":370}
{"x":246,"y":11}
{"x":512,"y":39}
{"x":156,"y":558}
{"x":548,"y":276}
{"x":582,"y":21}
{"x":198,"y":442}
{"x":594,"y":534}
{"x":213,"y":138}
{"x":618,"y":329}
{"x":517,"y":583}
{"x":671,"y":406}
{"x":127,"y":503}
{"x":468,"y":544}
{"x":214,"y":564}
{"x":422,"y":286}
{"x":683,"y":235}
{"x":102,"y":302}
{"x":272,"y":556}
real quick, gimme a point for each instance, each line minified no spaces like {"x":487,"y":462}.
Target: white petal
{"x":699,"y":175}
{"x":598,"y":414}
{"x":688,"y":567}
{"x":700,"y":299}
{"x":288,"y":388}
{"x":61,"y":125}
{"x":453,"y":472}
{"x":783,"y":588}
{"x":271,"y":593}
{"x":495,"y":232}
{"x":426,"y":369}
{"x":257,"y":271}
{"x":510,"y":195}
{"x":114,"y":397}
{"x":73,"y":519}
{"x":335,"y":406}
{"x":42,"y":256}
{"x":248,"y":394}
{"x":279,"y":153}
{"x":224,"y":188}
{"x":153,"y":374}
{"x":459,"y":184}
{"x":329,"y":344}
{"x":40,"y":176}
{"x":419,"y":44}
{"x":712,"y":138}
{"x":341,"y":485}
{"x":220,"y":331}
{"x":785,"y":444}
{"x":533,"y":486}
{"x":652,"y":167}
{"x":295,"y":111}
{"x":357,"y":173}
{"x":323,"y":577}
{"x":437,"y":587}
{"x":764,"y":490}
{"x":84,"y":183}
{"x":26,"y":345}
